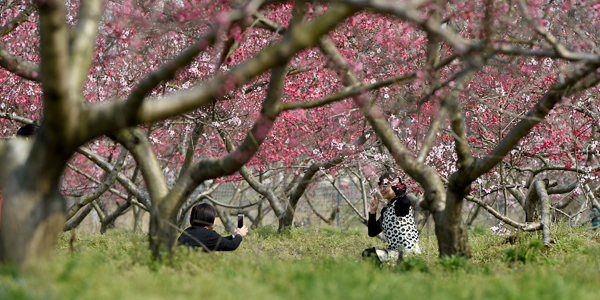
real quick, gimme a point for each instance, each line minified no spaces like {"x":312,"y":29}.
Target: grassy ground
{"x":313,"y":264}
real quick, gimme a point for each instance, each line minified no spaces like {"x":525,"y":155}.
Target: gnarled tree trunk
{"x":33,"y":209}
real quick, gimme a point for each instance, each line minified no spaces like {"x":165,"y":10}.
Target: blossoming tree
{"x":463,"y":96}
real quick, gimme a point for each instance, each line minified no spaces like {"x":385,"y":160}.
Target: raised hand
{"x":374,"y":203}
{"x":241,"y":231}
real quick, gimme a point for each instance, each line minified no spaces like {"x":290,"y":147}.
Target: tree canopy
{"x":466,"y":99}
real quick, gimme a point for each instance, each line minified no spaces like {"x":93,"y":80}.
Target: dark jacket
{"x":196,"y":236}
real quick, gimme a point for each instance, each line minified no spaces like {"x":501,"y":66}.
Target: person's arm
{"x":402,"y":206}
{"x":373,"y":224}
{"x":231,"y":242}
{"x":228,"y":243}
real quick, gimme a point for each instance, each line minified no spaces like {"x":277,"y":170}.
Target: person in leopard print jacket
{"x":396,"y":220}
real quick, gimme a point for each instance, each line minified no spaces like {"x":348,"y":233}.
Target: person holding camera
{"x":201,"y":232}
{"x":396,"y":221}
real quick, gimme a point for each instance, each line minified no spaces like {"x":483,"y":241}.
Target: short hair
{"x":203,"y":215}
{"x":27,"y":130}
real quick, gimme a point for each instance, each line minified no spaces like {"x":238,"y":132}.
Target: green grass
{"x":314,"y":264}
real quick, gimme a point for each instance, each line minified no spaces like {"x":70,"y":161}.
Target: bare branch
{"x":102,"y":188}
{"x":516,"y":192}
{"x":522,"y":226}
{"x":506,"y":112}
{"x":263,"y":190}
{"x":432,"y":134}
{"x":211,"y":199}
{"x":363,"y":189}
{"x":136,"y":141}
{"x":558,"y":47}
{"x":343,"y":196}
{"x":349,"y":92}
{"x":98,"y":210}
{"x":591,"y":197}
{"x":552,"y":167}
{"x":504,"y":48}
{"x":110,"y":218}
{"x":432,"y":26}
{"x":166,"y":72}
{"x":9,"y":116}
{"x":12,"y":63}
{"x":320,"y":166}
{"x":463,"y":151}
{"x":74,"y":222}
{"x":19,"y":66}
{"x":189,"y":154}
{"x":130,"y":186}
{"x":96,"y":181}
{"x":459,"y":182}
{"x":562,"y":189}
{"x":408,"y":11}
{"x":83,"y":43}
{"x":18,"y":20}
{"x":326,"y":220}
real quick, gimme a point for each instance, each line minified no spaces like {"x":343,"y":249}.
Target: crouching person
{"x":201,"y":232}
{"x":396,"y":222}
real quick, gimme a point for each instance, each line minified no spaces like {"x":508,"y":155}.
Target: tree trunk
{"x":449,"y":227}
{"x":531,"y":204}
{"x":452,"y":238}
{"x":287,"y":219}
{"x":30,"y":224}
{"x":163,"y":233}
{"x":421,"y":216}
{"x":473,"y":215}
{"x":137,"y":219}
{"x":33,"y":210}
{"x":540,"y":188}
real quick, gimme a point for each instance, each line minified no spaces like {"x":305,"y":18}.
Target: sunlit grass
{"x":314,"y":264}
